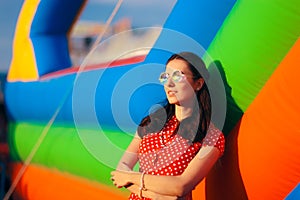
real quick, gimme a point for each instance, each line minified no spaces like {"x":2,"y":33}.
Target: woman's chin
{"x":173,"y":101}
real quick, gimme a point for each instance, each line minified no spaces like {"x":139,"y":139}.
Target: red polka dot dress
{"x":166,"y":153}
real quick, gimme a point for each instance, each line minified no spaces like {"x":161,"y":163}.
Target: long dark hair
{"x":193,"y":128}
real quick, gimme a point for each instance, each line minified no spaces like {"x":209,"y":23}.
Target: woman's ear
{"x":199,"y":84}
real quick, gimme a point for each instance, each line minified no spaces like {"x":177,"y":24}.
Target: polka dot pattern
{"x":215,"y":137}
{"x":166,"y":153}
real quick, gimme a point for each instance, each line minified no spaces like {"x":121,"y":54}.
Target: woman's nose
{"x":170,"y":82}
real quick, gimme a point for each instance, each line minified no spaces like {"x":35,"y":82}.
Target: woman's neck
{"x":183,"y":112}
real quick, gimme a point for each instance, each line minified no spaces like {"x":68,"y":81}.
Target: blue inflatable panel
{"x":295,"y":194}
{"x":49,"y":29}
{"x":115,"y":96}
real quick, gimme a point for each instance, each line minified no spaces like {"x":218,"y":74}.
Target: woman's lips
{"x":171,"y":93}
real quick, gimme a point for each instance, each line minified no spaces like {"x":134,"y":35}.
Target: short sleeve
{"x":215,"y":137}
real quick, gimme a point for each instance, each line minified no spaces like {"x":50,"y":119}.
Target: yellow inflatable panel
{"x":25,"y":55}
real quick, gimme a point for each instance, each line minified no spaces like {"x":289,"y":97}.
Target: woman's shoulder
{"x":214,"y":137}
{"x":213,"y":130}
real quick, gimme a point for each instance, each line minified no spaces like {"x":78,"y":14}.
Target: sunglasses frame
{"x":180,"y":76}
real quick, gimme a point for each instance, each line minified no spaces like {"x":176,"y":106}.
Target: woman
{"x":177,"y":145}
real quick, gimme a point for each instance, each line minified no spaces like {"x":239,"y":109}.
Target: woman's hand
{"x":148,"y":194}
{"x":128,"y":179}
{"x":121,"y":178}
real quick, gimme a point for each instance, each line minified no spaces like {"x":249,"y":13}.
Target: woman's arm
{"x":180,"y":185}
{"x":128,"y":161}
{"x":130,"y":157}
{"x":149,"y":194}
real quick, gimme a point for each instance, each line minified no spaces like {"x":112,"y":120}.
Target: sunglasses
{"x":177,"y":76}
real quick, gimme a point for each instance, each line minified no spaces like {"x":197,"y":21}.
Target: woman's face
{"x":181,"y":92}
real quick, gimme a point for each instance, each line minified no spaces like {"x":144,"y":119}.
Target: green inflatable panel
{"x":250,"y":45}
{"x":62,"y":148}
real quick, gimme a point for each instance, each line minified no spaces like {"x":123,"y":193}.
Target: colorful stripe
{"x":65,"y":149}
{"x":251,"y":43}
{"x":54,"y":184}
{"x":24,"y":56}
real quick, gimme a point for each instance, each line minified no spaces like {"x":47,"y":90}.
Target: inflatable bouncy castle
{"x":69,"y":125}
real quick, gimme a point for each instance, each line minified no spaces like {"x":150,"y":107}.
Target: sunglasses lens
{"x":177,"y":76}
{"x":163,"y":78}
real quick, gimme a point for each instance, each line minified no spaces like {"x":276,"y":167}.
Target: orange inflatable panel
{"x":42,"y":183}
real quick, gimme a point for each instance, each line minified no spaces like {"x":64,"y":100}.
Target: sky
{"x":9,"y":10}
{"x":142,"y":13}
